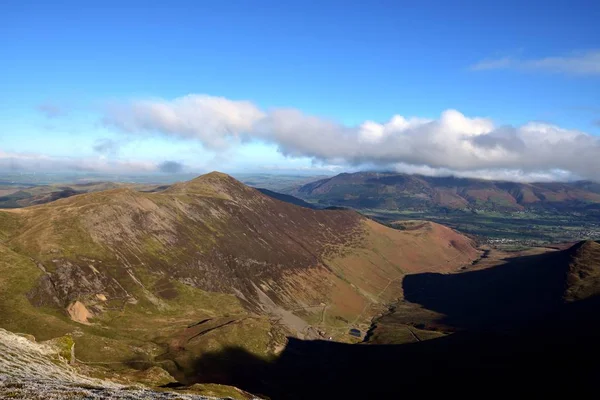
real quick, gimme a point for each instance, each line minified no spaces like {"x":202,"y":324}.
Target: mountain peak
{"x":215,"y":175}
{"x":213,"y":184}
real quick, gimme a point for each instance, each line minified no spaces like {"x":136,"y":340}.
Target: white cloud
{"x":584,"y":63}
{"x":453,"y":143}
{"x":213,"y":120}
{"x":31,"y":162}
{"x":498,"y":63}
{"x":513,"y":175}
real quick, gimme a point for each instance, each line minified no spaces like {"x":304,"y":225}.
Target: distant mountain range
{"x":373,"y":190}
{"x":396,"y":191}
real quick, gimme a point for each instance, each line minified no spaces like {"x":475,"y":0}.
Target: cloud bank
{"x":587,"y":63}
{"x":209,"y":119}
{"x":451,"y":144}
{"x":32,"y":162}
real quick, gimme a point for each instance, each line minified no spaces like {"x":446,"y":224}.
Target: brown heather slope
{"x":160,"y":278}
{"x":583,"y":277}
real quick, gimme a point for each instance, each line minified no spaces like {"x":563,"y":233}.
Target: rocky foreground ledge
{"x":30,"y":370}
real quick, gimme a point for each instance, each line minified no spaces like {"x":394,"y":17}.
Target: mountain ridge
{"x":287,"y":198}
{"x":389,"y":190}
{"x":200,"y":265}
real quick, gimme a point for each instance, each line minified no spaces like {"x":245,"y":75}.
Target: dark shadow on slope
{"x":505,"y":296}
{"x":515,"y":337}
{"x":232,"y":366}
{"x":556,"y":356}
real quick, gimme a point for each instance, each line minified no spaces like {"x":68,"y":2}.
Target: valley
{"x":519,"y":229}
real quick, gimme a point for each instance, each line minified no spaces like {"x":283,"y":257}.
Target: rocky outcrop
{"x":39,"y":371}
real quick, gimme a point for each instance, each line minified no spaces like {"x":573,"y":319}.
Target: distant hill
{"x":24,"y":196}
{"x":287,"y":198}
{"x":33,"y":195}
{"x":396,"y":191}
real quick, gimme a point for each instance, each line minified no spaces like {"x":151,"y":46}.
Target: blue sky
{"x":76,"y":75}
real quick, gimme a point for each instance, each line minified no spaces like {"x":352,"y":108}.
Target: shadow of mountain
{"x":515,"y":336}
{"x":556,"y":355}
{"x":505,"y":296}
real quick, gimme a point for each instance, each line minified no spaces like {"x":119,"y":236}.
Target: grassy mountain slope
{"x":157,"y":278}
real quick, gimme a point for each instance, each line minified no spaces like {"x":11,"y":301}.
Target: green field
{"x":520,"y":227}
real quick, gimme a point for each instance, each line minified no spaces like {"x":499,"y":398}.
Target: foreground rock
{"x":30,"y":370}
